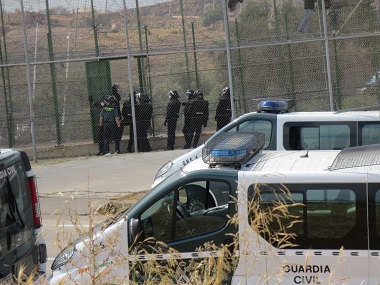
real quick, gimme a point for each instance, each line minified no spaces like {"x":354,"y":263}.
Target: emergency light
{"x":273,"y":105}
{"x":232,"y":149}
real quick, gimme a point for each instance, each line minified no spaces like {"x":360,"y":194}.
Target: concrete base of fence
{"x":89,"y":148}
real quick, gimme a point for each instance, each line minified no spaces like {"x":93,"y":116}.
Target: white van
{"x":334,"y":206}
{"x":285,"y":130}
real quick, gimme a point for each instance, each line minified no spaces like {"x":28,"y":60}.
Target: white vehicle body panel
{"x":259,"y":261}
{"x":99,"y":259}
{"x":353,"y":116}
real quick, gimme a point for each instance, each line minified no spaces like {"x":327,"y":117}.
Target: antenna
{"x":306,"y":154}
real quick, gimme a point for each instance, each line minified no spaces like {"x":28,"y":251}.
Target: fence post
{"x":195,"y":55}
{"x":225,"y":18}
{"x":153,"y":132}
{"x":241,"y":70}
{"x":29,"y":83}
{"x":7,"y":89}
{"x":53,"y":75}
{"x":185,"y":45}
{"x":140,"y":60}
{"x":291,"y":68}
{"x":130,"y":76}
{"x":327,"y":54}
{"x":95,"y":29}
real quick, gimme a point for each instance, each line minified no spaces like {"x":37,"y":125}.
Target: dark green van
{"x":22,"y":246}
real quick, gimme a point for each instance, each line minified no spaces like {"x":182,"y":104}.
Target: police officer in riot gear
{"x":115,"y":91}
{"x":223,"y":109}
{"x":190,"y":95}
{"x":172,"y":114}
{"x":144,"y":113}
{"x":198,"y":111}
{"x":110,"y":120}
{"x":119,"y":131}
{"x":126,"y":112}
{"x":100,"y":133}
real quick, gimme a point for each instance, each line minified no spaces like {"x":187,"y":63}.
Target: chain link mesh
{"x":47,"y":89}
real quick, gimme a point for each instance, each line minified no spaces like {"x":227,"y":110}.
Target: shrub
{"x":211,"y":17}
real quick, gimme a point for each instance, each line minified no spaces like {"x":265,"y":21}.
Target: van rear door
{"x":17,"y":240}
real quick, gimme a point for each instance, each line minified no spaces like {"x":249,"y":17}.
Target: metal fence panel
{"x":179,"y":45}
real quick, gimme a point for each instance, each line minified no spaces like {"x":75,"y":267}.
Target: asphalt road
{"x":97,"y":178}
{"x":69,"y":188}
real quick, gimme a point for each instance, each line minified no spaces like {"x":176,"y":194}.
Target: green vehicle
{"x":22,"y":247}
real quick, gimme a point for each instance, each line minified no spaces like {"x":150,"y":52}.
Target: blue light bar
{"x":273,"y":106}
{"x":228,"y":155}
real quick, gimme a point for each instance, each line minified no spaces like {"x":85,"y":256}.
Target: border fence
{"x":58,"y":58}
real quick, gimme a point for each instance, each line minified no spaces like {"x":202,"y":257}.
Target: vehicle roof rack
{"x":272,"y":105}
{"x":232,"y":149}
{"x":358,"y":159}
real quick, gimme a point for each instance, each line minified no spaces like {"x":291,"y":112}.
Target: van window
{"x":294,"y":205}
{"x":318,"y":135}
{"x":377,"y":209}
{"x":370,"y":134}
{"x":15,"y":203}
{"x":257,"y":126}
{"x":324,"y":207}
{"x":374,"y":215}
{"x":319,"y":216}
{"x":186,"y":211}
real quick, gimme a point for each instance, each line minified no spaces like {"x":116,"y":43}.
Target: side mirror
{"x":134,"y":230}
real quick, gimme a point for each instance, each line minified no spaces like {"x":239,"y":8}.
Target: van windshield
{"x":124,"y":212}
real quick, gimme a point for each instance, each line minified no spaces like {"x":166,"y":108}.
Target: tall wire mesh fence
{"x":58,"y":58}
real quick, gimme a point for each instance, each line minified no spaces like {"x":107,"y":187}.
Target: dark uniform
{"x":127,"y":121}
{"x":198,"y":111}
{"x":144,"y":113}
{"x":223,"y":109}
{"x":100,"y":133}
{"x":187,"y":118}
{"x":110,"y":120}
{"x":119,"y":131}
{"x":172,"y":115}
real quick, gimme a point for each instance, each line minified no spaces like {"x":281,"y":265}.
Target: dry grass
{"x":120,"y":203}
{"x":203,"y":270}
{"x":161,"y":264}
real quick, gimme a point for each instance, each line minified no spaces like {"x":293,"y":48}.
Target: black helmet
{"x":115,"y":87}
{"x":142,"y":98}
{"x":190,"y":94}
{"x":111,"y":100}
{"x":225,"y":93}
{"x":173,"y":94}
{"x":199,"y":93}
